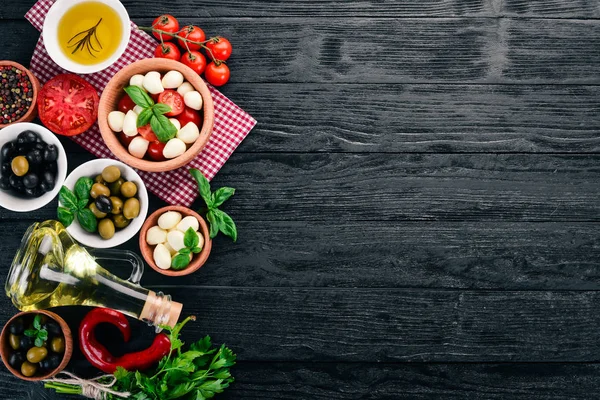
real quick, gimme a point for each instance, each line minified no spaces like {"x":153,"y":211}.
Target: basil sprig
{"x":217,"y":219}
{"x":152,"y":114}
{"x":74,"y":205}
{"x":38,"y":333}
{"x":191,"y":242}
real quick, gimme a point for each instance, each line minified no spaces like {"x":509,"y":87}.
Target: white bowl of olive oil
{"x":86,"y":36}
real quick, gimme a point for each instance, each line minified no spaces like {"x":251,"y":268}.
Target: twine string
{"x":91,"y":388}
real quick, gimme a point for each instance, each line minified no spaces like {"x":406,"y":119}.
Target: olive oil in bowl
{"x":89,"y":32}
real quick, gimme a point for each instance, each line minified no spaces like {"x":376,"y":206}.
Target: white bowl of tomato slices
{"x":138,"y":125}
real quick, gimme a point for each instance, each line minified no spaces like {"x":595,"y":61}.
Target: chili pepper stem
{"x":185,"y":40}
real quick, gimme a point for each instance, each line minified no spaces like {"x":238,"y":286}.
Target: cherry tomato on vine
{"x":217,"y":75}
{"x":125,"y":104}
{"x":167,"y":50}
{"x":189,"y":115}
{"x":155,"y":151}
{"x":173,"y":100}
{"x":192,"y":33}
{"x":166,"y":23}
{"x":221,"y":50}
{"x":195,"y":60}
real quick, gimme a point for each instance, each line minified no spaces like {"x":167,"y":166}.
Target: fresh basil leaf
{"x":139,"y":96}
{"x":180,"y":261}
{"x":144,"y":117}
{"x":161,"y":108}
{"x":221,"y":195}
{"x":190,"y":238}
{"x":185,"y":251}
{"x":67,"y":198}
{"x":42,"y":334}
{"x":226,"y":225}
{"x":87,"y":220}
{"x":214,"y":224}
{"x":39,"y":342}
{"x":30,"y":332}
{"x":197,"y":250}
{"x":82,"y":203}
{"x":83,"y":187}
{"x":37,"y":322}
{"x":65,"y":216}
{"x":203,"y":186}
{"x":162,"y":127}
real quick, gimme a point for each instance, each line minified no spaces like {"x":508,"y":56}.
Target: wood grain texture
{"x":552,"y":8}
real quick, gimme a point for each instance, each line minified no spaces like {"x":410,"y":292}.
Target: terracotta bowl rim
{"x":35,"y":84}
{"x":199,"y":259}
{"x":66,"y":331}
{"x":113,"y":143}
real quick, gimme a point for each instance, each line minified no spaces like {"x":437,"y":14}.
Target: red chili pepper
{"x":101,"y":358}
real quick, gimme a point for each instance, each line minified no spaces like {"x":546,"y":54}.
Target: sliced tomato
{"x":174,"y":100}
{"x":155,"y":151}
{"x":147,"y":133}
{"x":68,"y":105}
{"x":190,"y":115}
{"x":125,"y":104}
{"x":124,"y":139}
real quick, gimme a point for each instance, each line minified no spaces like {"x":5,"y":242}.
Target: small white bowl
{"x":22,"y":204}
{"x":91,"y":169}
{"x":50,"y":32}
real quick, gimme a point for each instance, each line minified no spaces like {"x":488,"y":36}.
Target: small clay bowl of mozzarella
{"x":156,"y":115}
{"x":167,"y":237}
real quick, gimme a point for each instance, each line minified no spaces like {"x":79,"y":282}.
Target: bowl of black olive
{"x":36,"y":345}
{"x":33,"y":166}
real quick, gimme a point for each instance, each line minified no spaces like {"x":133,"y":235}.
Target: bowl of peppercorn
{"x":33,"y":166}
{"x":18,"y":93}
{"x":36,"y":345}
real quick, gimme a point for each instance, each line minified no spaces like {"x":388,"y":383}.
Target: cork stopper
{"x":160,"y":310}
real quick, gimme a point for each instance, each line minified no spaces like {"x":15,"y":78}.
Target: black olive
{"x":51,"y":166}
{"x":44,"y":187}
{"x":52,"y":328}
{"x":5,"y":169}
{"x":26,"y":342}
{"x":33,"y":192}
{"x":40,"y":146}
{"x":51,"y":153}
{"x":49,"y":177}
{"x":8,"y":150}
{"x":35,"y":157}
{"x":16,"y":182}
{"x":5,"y":183}
{"x":51,"y":362}
{"x":31,"y":180}
{"x":27,"y":137}
{"x":17,"y":327}
{"x":16,"y":359}
{"x":103,"y":204}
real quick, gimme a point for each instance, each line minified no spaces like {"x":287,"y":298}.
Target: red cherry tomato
{"x":167,"y":50}
{"x":189,"y":115}
{"x":217,"y":75}
{"x":154,"y":96}
{"x":166,"y":23}
{"x":124,"y":139}
{"x":125,"y":104}
{"x":221,"y":50}
{"x":155,"y":151}
{"x":193,"y":33}
{"x":172,"y":99}
{"x":147,"y":133}
{"x":195,"y":60}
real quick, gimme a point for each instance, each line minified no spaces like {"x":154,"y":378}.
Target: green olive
{"x":117,"y":204}
{"x":131,"y":209}
{"x":106,"y":228}
{"x":111,"y":173}
{"x":120,"y":221}
{"x":19,"y":165}
{"x":36,"y":354}
{"x":57,"y":344}
{"x":99,"y":179}
{"x":28,"y":369}
{"x":99,"y":189}
{"x":128,"y":189}
{"x":99,"y":214}
{"x":115,"y":187}
{"x":14,"y":341}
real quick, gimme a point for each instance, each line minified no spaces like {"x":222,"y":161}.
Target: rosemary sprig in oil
{"x":85,"y":42}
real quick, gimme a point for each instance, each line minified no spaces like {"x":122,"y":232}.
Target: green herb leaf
{"x":226,"y":224}
{"x":83,"y":187}
{"x":197,"y":250}
{"x":162,"y":127}
{"x":185,"y":251}
{"x":144,"y":117}
{"x":221,"y":195}
{"x":161,"y":108}
{"x":139,"y":96}
{"x":180,"y":261}
{"x":214,"y":224}
{"x":67,"y":198}
{"x":87,"y":220}
{"x":30,"y":332}
{"x":39,"y":342}
{"x":82,"y":203}
{"x":42,"y":334}
{"x":65,"y":216}
{"x":190,"y":238}
{"x":203,"y":186}
{"x":37,"y":322}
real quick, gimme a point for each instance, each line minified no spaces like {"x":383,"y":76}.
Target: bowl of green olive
{"x":103,"y":203}
{"x":36,"y":345}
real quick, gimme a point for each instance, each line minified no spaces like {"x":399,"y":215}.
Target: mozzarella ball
{"x":174,"y":148}
{"x":175,"y":239}
{"x":138,"y":147}
{"x":184,"y":88}
{"x":137,"y":80}
{"x":175,"y":122}
{"x":189,"y":133}
{"x":171,"y":250}
{"x":152,"y":83}
{"x":138,"y":109}
{"x":156,"y":235}
{"x":162,"y":256}
{"x":172,"y":80}
{"x":169,"y":220}
{"x":130,"y":123}
{"x":193,"y":100}
{"x":188,"y":222}
{"x":115,"y":120}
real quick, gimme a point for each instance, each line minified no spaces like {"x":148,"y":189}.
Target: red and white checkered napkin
{"x":232,"y":124}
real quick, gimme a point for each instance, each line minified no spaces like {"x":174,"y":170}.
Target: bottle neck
{"x":160,"y":310}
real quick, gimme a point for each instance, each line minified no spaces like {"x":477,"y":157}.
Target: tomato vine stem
{"x":185,"y":40}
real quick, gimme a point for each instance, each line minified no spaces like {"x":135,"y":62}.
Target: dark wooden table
{"x":418,"y":205}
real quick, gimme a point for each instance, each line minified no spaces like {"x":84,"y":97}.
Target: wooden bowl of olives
{"x":116,"y":206}
{"x":36,"y":345}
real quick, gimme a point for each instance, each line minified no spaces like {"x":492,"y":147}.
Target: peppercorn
{"x":15,"y":100}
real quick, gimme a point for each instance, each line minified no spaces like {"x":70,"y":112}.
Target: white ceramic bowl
{"x":22,"y":204}
{"x":91,"y":169}
{"x":50,"y":32}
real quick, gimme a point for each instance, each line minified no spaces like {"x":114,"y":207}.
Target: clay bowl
{"x":5,"y":348}
{"x":35,"y":84}
{"x":148,"y":250}
{"x":114,"y":92}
